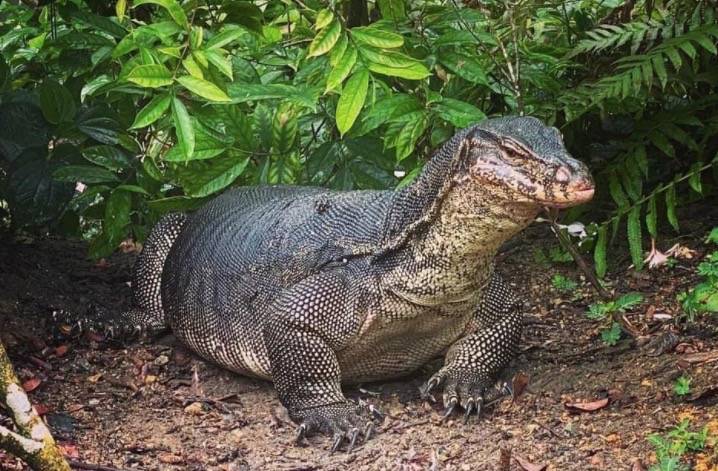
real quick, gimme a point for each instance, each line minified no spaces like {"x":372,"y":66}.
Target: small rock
{"x":194,"y":409}
{"x":161,"y":360}
{"x":169,"y":458}
{"x":149,"y":379}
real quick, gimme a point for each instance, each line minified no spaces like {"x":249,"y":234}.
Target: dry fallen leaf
{"x":31,"y":384}
{"x":94,"y":378}
{"x":527,"y":465}
{"x":637,"y":465}
{"x":587,"y":406}
{"x":69,"y":450}
{"x":518,"y":384}
{"x":61,"y":350}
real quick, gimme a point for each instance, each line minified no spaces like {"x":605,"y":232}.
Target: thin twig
{"x":578,"y":258}
{"x":92,"y":467}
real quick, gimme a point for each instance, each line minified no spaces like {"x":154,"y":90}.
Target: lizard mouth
{"x":574,"y":198}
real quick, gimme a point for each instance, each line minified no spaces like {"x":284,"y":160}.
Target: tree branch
{"x":32,"y":442}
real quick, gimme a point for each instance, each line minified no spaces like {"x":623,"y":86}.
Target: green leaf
{"x":172,"y":7}
{"x":110,"y":157}
{"x":628,"y":301}
{"x":465,"y":67}
{"x":671,"y":206}
{"x":599,"y":253}
{"x":208,"y":144}
{"x":183,"y":128}
{"x":377,"y":37}
{"x":616,"y":191}
{"x":227,"y":35}
{"x":192,"y":67}
{"x":223,"y":64}
{"x":284,"y":130}
{"x":120,"y":9}
{"x":394,"y":10}
{"x":196,"y":36}
{"x":152,"y":111}
{"x":635,"y":243}
{"x":458,"y":113}
{"x":56,"y":102}
{"x":408,"y":135}
{"x":342,"y":69}
{"x":713,"y":236}
{"x":150,"y":76}
{"x":84,"y":174}
{"x":117,"y":216}
{"x":338,"y":50}
{"x":203,"y":88}
{"x":176,"y":203}
{"x":216,"y":175}
{"x":652,"y":217}
{"x":415,"y":72}
{"x":324,"y":17}
{"x":352,"y":100}
{"x":325,"y":39}
{"x":611,"y":336}
{"x":99,"y":123}
{"x":694,"y":180}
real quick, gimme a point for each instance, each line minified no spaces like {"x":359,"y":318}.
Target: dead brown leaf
{"x":526,"y":465}
{"x":31,"y":384}
{"x":518,"y":384}
{"x":637,"y":465}
{"x":587,"y":406}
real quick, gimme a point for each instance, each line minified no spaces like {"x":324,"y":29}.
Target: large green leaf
{"x":100,"y":124}
{"x":377,"y":37}
{"x":416,"y":71}
{"x":22,"y":126}
{"x":341,"y":71}
{"x":117,"y":216}
{"x":464,"y":66}
{"x":84,"y":174}
{"x":34,"y":197}
{"x":352,"y":100}
{"x":152,"y":111}
{"x":635,"y":244}
{"x":150,"y":76}
{"x":206,"y":177}
{"x":458,"y":113}
{"x":172,"y":7}
{"x":208,"y":144}
{"x":183,"y":128}
{"x":56,"y":102}
{"x":325,"y":39}
{"x":110,"y":157}
{"x":243,"y":92}
{"x":203,"y":88}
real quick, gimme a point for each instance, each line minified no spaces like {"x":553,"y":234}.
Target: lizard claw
{"x":450,"y":408}
{"x":346,"y":422}
{"x":470,"y":404}
{"x":352,"y":439}
{"x":301,"y":432}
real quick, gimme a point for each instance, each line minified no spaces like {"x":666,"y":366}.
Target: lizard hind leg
{"x":146,"y":316}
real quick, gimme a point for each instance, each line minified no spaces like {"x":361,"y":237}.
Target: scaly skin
{"x":313,"y":288}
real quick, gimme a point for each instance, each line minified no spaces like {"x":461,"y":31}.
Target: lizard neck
{"x":451,"y":259}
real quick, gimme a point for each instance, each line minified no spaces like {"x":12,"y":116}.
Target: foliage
{"x":682,"y":386}
{"x":563,"y":284}
{"x":703,"y":298}
{"x":677,"y":442}
{"x":605,"y":311}
{"x":160,"y":105}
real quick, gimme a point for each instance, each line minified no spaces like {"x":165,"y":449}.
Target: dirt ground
{"x":155,"y":406}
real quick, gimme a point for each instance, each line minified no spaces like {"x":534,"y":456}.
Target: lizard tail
{"x":146,"y":316}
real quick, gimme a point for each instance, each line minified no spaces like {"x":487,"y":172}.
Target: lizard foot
{"x":469,"y":390}
{"x":345,"y":422}
{"x":117,"y":328}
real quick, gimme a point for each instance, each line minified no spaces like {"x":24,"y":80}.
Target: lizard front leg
{"x":474,"y":362}
{"x":311,"y":322}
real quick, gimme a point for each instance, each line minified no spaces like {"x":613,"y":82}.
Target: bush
{"x":158,"y":107}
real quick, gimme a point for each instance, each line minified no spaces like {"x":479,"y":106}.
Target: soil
{"x":154,"y":405}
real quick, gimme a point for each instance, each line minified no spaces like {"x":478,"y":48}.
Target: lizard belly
{"x":398,"y":338}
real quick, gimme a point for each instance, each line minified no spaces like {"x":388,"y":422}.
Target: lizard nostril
{"x":563,"y":175}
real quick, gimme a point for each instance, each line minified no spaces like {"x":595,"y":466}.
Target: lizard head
{"x":523,"y":161}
